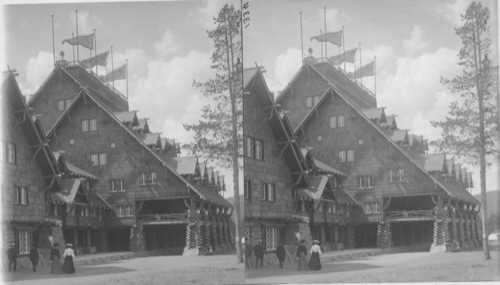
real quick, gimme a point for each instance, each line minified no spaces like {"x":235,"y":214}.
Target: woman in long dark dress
{"x":315,"y":263}
{"x":302,"y":255}
{"x":68,"y":255}
{"x":55,"y":255}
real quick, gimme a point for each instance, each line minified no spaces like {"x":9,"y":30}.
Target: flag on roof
{"x":117,"y":74}
{"x":366,"y":70}
{"x":101,"y":59}
{"x":347,"y":56}
{"x":332,"y":37}
{"x":85,"y":41}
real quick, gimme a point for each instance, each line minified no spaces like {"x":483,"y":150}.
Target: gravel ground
{"x":216,"y":269}
{"x":400,"y":267}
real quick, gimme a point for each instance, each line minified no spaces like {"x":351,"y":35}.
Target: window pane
{"x":249,"y":147}
{"x":308,"y":101}
{"x":247,"y":189}
{"x":272,"y":191}
{"x":341,"y":122}
{"x":315,"y":100}
{"x":60,"y":105}
{"x":342,"y":156}
{"x":85,"y":125}
{"x":153,"y":177}
{"x":24,"y":195}
{"x":68,"y":102}
{"x":263,"y":192}
{"x":258,"y":149}
{"x":93,"y":124}
{"x":11,"y":153}
{"x":350,"y":155}
{"x":24,"y":242}
{"x":94,"y":158}
{"x":333,"y":122}
{"x":102,"y":159}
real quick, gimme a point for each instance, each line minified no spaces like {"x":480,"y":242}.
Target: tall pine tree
{"x":470,"y":130}
{"x":218,"y":135}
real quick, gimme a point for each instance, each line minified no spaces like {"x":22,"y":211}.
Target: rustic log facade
{"x":404,"y":199}
{"x":154,"y":206}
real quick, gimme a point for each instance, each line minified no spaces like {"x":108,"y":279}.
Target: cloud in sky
{"x":285,"y":66}
{"x":168,"y":44}
{"x":416,"y":43}
{"x":334,"y":18}
{"x":207,"y":10}
{"x":37,"y":70}
{"x":86,"y":22}
{"x":453,"y":10}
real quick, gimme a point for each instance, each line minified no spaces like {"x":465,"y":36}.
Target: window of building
{"x":67,"y":103}
{"x":152,"y":179}
{"x":258,"y":149}
{"x":11,"y":153}
{"x":120,"y":185}
{"x":371,"y":207}
{"x":364,"y":182}
{"x":250,"y":147}
{"x":272,"y":236}
{"x":315,"y":100}
{"x":24,"y":242}
{"x":112,"y":145}
{"x":71,"y":141}
{"x":309,"y":101}
{"x":94,"y":158}
{"x":334,"y":208}
{"x":401,"y":175}
{"x":320,"y":206}
{"x":112,"y":185}
{"x":247,"y":189}
{"x":360,"y":141}
{"x":391,"y":176}
{"x":85,"y":125}
{"x":333,"y":122}
{"x":102,"y":159}
{"x":342,"y":155}
{"x":60,"y":105}
{"x":125,"y":211}
{"x":143,"y":178}
{"x":93,"y":124}
{"x":268,"y":192}
{"x":320,"y":138}
{"x":350,"y":155}
{"x":369,"y":182}
{"x":20,"y":195}
{"x":340,"y":121}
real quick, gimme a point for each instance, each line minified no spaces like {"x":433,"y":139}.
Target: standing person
{"x":302,"y":255}
{"x":34,"y":257}
{"x":55,"y":255}
{"x":258,"y":250}
{"x":12,"y":256}
{"x":280,"y":254}
{"x":315,"y":263}
{"x":248,"y":254}
{"x":68,"y":266}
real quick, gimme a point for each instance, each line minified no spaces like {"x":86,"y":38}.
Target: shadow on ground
{"x":44,"y":273}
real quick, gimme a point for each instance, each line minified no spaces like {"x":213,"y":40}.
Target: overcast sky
{"x":165,"y":43}
{"x":414,"y":42}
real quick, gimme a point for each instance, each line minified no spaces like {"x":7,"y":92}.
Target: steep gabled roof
{"x":327,"y":168}
{"x":399,"y":135}
{"x":313,"y":110}
{"x":390,"y":122}
{"x":203,"y":193}
{"x":128,"y":117}
{"x":143,"y":124}
{"x":377,"y":114}
{"x":68,"y":193}
{"x":356,"y":107}
{"x":151,"y":139}
{"x":315,"y":191}
{"x":80,"y":172}
{"x":435,"y":162}
{"x":186,"y":165}
{"x":12,"y":97}
{"x":248,"y":75}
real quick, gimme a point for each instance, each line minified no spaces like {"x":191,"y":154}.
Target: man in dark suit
{"x":12,"y":256}
{"x":258,"y":250}
{"x":280,"y":254}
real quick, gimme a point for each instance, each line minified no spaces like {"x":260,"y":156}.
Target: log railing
{"x":160,"y":218}
{"x":411,"y":214}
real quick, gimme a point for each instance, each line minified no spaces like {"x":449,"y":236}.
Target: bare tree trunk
{"x":482,"y":140}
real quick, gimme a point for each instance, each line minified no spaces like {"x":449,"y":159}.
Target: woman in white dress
{"x":315,"y":263}
{"x":68,"y":266}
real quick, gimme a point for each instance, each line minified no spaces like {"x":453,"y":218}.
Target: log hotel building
{"x":383,"y":189}
{"x":111,"y":184}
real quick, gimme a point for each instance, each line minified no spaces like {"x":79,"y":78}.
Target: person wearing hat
{"x":68,"y":255}
{"x":12,"y":256}
{"x":302,"y":255}
{"x":280,"y":254}
{"x":258,"y":250}
{"x":314,"y":262}
{"x":55,"y":256}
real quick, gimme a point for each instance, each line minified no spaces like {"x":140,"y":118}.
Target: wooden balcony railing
{"x":412,"y":214}
{"x":163,"y":218}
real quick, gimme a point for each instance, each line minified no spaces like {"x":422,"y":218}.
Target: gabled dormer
{"x":143,"y":126}
{"x":400,"y":137}
{"x":377,"y":115}
{"x":128,"y":118}
{"x":390,"y":123}
{"x":152,"y":140}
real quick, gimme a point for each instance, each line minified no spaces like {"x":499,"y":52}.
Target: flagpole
{"x":354,"y":72}
{"x":343,"y":44}
{"x":375,"y":71}
{"x":73,"y":47}
{"x":112,"y":68}
{"x":53,"y":42}
{"x":301,"y":38}
{"x":321,"y":36}
{"x":360,"y":64}
{"x":126,"y":62}
{"x":95,"y":52}
{"x":77,"y":49}
{"x":326,"y":42}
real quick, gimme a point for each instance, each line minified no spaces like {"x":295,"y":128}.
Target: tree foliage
{"x":213,"y":133}
{"x":461,"y":129}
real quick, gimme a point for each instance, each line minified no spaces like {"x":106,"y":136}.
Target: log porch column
{"x":384,"y":235}
{"x":440,"y":232}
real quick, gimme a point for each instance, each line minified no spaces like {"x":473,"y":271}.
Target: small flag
{"x":367,"y":70}
{"x":117,"y":74}
{"x":347,"y":56}
{"x":332,"y":37}
{"x":85,"y":41}
{"x":101,"y":59}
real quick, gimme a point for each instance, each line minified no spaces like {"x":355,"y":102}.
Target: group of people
{"x":313,"y":264}
{"x":67,"y":267}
